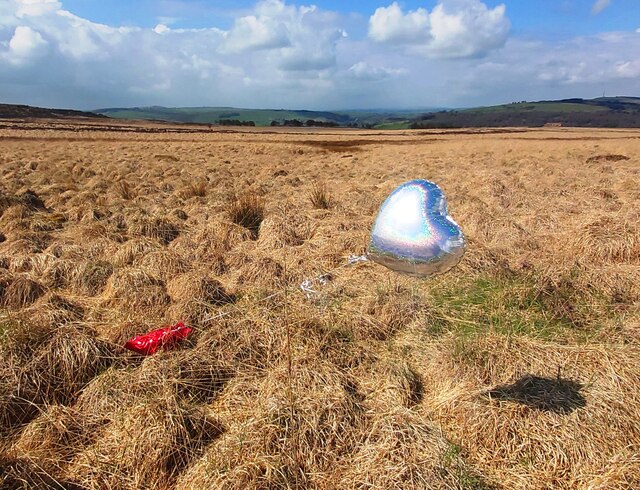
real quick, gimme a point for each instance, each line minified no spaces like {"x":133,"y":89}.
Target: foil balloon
{"x":152,"y":342}
{"x":413,"y":232}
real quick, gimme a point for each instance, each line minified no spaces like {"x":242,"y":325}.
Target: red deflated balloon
{"x":152,"y":342}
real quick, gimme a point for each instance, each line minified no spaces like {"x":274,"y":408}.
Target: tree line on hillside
{"x":296,"y":123}
{"x":235,"y":122}
{"x":310,"y":123}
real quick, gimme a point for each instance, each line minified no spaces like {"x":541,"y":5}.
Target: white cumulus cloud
{"x":282,"y":54}
{"x":251,"y":33}
{"x":366,"y":72}
{"x":25,"y":45}
{"x":35,"y":7}
{"x":390,"y":24}
{"x":453,"y":29}
{"x":300,"y":38}
{"x":90,"y":65}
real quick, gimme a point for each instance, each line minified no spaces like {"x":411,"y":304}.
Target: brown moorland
{"x":518,"y":369}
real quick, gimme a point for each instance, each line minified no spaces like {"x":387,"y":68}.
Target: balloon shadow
{"x":546,"y":394}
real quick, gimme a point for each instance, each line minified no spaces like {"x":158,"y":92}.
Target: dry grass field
{"x":520,"y":368}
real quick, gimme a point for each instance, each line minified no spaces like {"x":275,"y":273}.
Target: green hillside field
{"x":605,"y":112}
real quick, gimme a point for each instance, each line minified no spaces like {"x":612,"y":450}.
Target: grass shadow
{"x":546,"y":394}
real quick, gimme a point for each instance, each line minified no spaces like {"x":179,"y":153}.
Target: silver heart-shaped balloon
{"x":413,"y":232}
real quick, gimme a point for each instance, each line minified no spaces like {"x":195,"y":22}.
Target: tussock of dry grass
{"x":47,"y":221}
{"x":386,"y":313}
{"x":43,"y":366}
{"x":25,"y":473}
{"x":320,"y":197}
{"x":32,"y":200}
{"x":194,"y":189}
{"x":286,"y":227}
{"x":248,"y":211}
{"x":58,"y":273}
{"x":404,"y":451}
{"x":69,"y":359}
{"x":132,"y":288}
{"x":21,"y":263}
{"x":194,"y":296}
{"x":52,"y":311}
{"x":516,"y":434}
{"x":19,"y":339}
{"x":5,"y":281}
{"x":134,"y":250}
{"x":5,"y":203}
{"x":261,"y":271}
{"x":517,"y":369}
{"x":167,"y":437}
{"x":26,"y":243}
{"x":125,"y":190}
{"x":156,"y":227}
{"x":40,"y":263}
{"x":322,"y":427}
{"x":193,"y":312}
{"x":21,"y":291}
{"x":164,"y":264}
{"x":55,"y":436}
{"x":618,"y":282}
{"x":90,"y":278}
{"x":610,"y":239}
{"x":13,"y":217}
{"x":200,"y":376}
{"x":180,"y":214}
{"x":152,"y":405}
{"x":99,"y":232}
{"x":209,"y":247}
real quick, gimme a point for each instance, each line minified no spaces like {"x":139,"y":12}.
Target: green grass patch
{"x":453,"y":462}
{"x":503,"y":305}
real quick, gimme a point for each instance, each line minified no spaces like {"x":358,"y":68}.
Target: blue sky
{"x":553,"y":18}
{"x":327,"y":54}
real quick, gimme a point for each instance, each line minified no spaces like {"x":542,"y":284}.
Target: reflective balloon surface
{"x":413,"y":232}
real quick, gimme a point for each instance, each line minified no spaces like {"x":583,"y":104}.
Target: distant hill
{"x":607,"y":112}
{"x":12,"y":111}
{"x":264,"y":117}
{"x":603,"y":112}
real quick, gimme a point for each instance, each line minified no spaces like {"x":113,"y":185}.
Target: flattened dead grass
{"x":518,"y":369}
